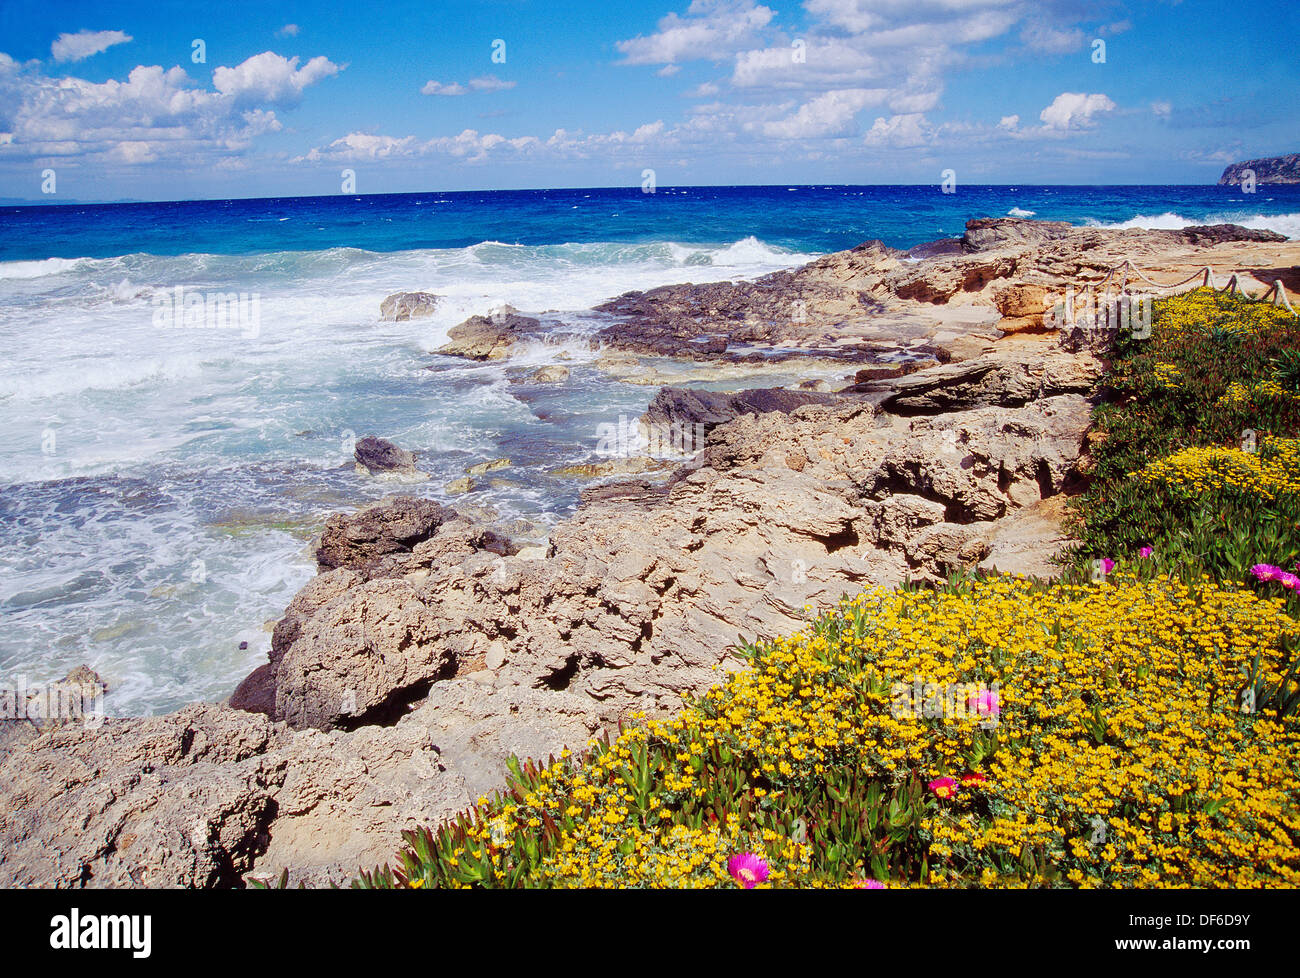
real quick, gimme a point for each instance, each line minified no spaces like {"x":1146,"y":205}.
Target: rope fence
{"x":1203,"y":279}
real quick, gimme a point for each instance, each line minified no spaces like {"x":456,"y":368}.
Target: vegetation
{"x":1198,"y":452}
{"x":1129,"y":725}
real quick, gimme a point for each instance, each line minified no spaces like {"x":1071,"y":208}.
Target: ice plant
{"x":1271,"y":572}
{"x":747,"y":869}
{"x":1146,"y":552}
{"x":869,"y":884}
{"x":943,"y":787}
{"x":985,"y":703}
{"x":1107,"y":565}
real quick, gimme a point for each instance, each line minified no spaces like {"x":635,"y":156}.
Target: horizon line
{"x":20,"y":202}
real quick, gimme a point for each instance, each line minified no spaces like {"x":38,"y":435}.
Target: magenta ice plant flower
{"x":943,"y":787}
{"x":747,"y":869}
{"x":985,"y":703}
{"x":1146,"y":551}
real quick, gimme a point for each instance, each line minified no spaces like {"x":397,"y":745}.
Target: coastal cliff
{"x":430,"y":648}
{"x":1273,"y":169}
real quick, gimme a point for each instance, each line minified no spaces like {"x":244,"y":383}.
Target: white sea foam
{"x":1020,"y":212}
{"x":1287,"y":224}
{"x":38,"y":269}
{"x":134,"y":457}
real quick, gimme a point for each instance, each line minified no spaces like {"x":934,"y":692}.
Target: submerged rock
{"x":491,"y":465}
{"x":378,"y":456}
{"x":489,"y":337}
{"x":401,"y":306}
{"x":552,"y":374}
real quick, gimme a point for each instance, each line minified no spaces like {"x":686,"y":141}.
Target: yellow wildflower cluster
{"x":1271,"y":471}
{"x":1118,"y":754}
{"x":1240,"y":395}
{"x":1203,"y":309}
{"x":1167,"y":376}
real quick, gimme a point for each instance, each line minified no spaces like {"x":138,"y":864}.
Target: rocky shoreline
{"x":431,"y":645}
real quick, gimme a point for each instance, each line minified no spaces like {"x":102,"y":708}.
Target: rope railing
{"x":1205,"y":279}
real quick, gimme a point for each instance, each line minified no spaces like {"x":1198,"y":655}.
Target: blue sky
{"x":409,"y":95}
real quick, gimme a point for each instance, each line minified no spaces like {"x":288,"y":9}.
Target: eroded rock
{"x":401,"y":306}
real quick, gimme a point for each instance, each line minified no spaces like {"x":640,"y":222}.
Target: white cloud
{"x":154,"y":114}
{"x":860,"y":16}
{"x":900,"y":131}
{"x":1009,"y":122}
{"x":361,"y":145}
{"x":1162,"y":108}
{"x":270,"y":77}
{"x":1075,"y":110}
{"x":490,"y":83}
{"x":831,"y":114}
{"x":484,"y":83}
{"x":288,"y":30}
{"x":828,"y":63}
{"x":83,"y":44}
{"x":468,"y":145}
{"x":1039,"y":36}
{"x":711,"y":30}
{"x":432,"y":87}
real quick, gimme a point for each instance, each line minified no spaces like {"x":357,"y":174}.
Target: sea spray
{"x":184,"y":308}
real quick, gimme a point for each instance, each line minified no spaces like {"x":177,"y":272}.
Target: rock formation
{"x":401,"y":306}
{"x":1273,"y":169}
{"x":489,"y":337}
{"x":378,"y":456}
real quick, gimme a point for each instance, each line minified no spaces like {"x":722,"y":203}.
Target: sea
{"x":161,"y":477}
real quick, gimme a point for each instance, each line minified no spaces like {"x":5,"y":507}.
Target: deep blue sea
{"x":159,"y":486}
{"x":801,"y":218}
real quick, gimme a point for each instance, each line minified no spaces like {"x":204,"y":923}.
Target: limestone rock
{"x":550,"y":374}
{"x":1273,"y":169}
{"x":491,"y":465}
{"x":401,"y":306}
{"x":688,"y":407}
{"x":378,"y":456}
{"x":488,"y":337}
{"x":392,"y":525}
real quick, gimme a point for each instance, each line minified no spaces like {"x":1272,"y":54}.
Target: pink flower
{"x":1146,"y":552}
{"x":1267,"y":572}
{"x":747,"y":869}
{"x":943,"y":787}
{"x":1289,"y":580}
{"x":869,"y":884}
{"x":985,"y":703}
{"x":1107,"y":565}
